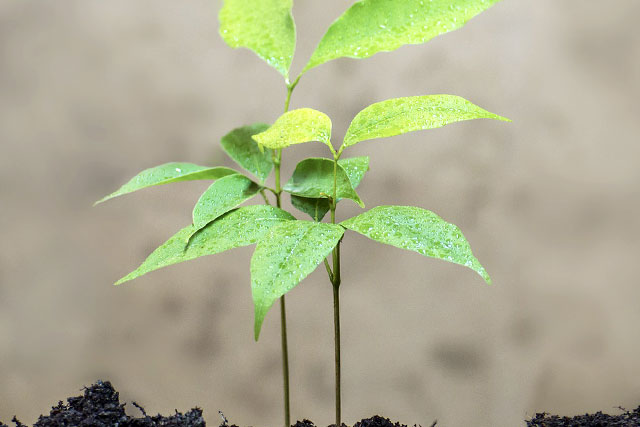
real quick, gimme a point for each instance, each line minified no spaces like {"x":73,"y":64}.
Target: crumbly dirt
{"x":626,"y":419}
{"x":100,"y":406}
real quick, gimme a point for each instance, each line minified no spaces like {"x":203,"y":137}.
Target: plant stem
{"x":336,"y":331}
{"x":285,"y":361}
{"x":283,"y":313}
{"x":264,"y":196}
{"x":335,"y":282}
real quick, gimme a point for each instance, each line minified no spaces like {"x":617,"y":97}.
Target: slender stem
{"x":336,"y":331}
{"x":335,"y":282}
{"x":264,"y":196}
{"x":277,"y":159}
{"x":329,"y":272}
{"x":285,"y":361}
{"x":283,"y":313}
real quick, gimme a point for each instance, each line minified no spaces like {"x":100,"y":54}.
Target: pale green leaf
{"x":223,"y":195}
{"x":288,"y":253}
{"x":168,"y":173}
{"x":313,"y":178}
{"x":355,"y":167}
{"x":264,"y":26}
{"x":402,"y":115}
{"x":296,"y":127}
{"x":317,"y":208}
{"x":241,"y":147}
{"x":240,"y":227}
{"x":416,"y":229}
{"x":372,"y":26}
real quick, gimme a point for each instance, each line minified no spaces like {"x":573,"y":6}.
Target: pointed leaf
{"x":313,"y":178}
{"x":296,"y":127}
{"x":316,"y":208}
{"x":372,"y":26}
{"x":168,"y":173}
{"x":288,"y":253}
{"x":240,"y":227}
{"x":355,"y":167}
{"x":264,"y":26}
{"x":222,"y":196}
{"x":241,"y":147}
{"x":419,"y":230}
{"x":402,"y":115}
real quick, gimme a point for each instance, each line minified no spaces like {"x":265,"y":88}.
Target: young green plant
{"x":288,"y":249}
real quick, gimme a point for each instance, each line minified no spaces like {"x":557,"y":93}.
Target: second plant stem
{"x":283,"y":313}
{"x":334,"y":276}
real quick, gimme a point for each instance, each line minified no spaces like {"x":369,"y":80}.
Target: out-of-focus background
{"x":91,"y":92}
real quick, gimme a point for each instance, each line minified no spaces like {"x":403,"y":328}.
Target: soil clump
{"x":626,"y":419}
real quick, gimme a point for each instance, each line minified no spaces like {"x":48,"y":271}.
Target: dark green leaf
{"x":223,"y":195}
{"x":168,"y":173}
{"x":241,"y":147}
{"x":402,"y":115}
{"x":288,"y":253}
{"x":264,"y":26}
{"x":416,"y":229}
{"x":372,"y":26}
{"x":355,"y":167}
{"x":315,"y":208}
{"x":313,"y":178}
{"x":240,"y":227}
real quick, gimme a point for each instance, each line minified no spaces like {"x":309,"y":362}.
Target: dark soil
{"x":100,"y":407}
{"x":627,"y":419}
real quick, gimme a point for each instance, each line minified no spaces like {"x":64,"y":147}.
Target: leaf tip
{"x":483,"y":273}
{"x":104,"y":199}
{"x":257,"y":327}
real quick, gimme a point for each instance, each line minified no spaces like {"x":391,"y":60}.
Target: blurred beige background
{"x":91,"y":92}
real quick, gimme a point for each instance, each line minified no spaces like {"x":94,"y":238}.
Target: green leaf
{"x":288,"y":253}
{"x":168,"y":173}
{"x":416,"y":229}
{"x":240,"y":227}
{"x":296,"y":127}
{"x":313,"y":178}
{"x":222,"y":196}
{"x":316,"y":208}
{"x":264,"y":26}
{"x":372,"y":26}
{"x":402,"y":115}
{"x":355,"y":167}
{"x":241,"y":147}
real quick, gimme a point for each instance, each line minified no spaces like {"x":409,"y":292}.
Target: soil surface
{"x":100,"y":407}
{"x":627,"y":419}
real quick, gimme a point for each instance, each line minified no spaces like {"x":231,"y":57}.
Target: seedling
{"x":289,"y":249}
